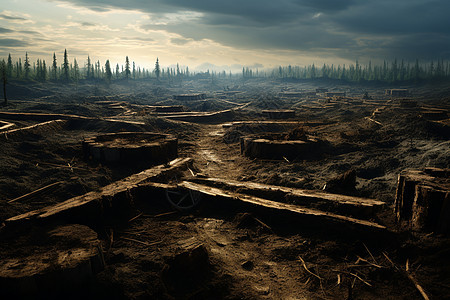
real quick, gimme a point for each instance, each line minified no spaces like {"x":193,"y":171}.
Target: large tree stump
{"x":271,"y":147}
{"x":49,"y":262}
{"x":126,"y":147}
{"x":423,"y":201}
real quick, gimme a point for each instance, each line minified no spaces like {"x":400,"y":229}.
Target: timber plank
{"x":326,"y":201}
{"x":283,"y":208}
{"x":93,"y":205}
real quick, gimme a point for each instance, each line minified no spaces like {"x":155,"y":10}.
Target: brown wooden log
{"x":314,"y":216}
{"x":54,"y":124}
{"x":357,"y":206}
{"x":91,"y":207}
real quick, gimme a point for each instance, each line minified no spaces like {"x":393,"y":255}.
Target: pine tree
{"x":65,"y":66}
{"x":89,"y":74}
{"x":108,"y":73}
{"x":127,"y":68}
{"x":117,"y":71}
{"x":76,"y":71}
{"x":26,"y":66}
{"x":44,"y":71}
{"x":4,"y":78}
{"x":9,"y":67}
{"x":157,"y":69}
{"x":54,"y":67}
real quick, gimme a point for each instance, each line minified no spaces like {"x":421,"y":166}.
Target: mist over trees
{"x":396,"y":71}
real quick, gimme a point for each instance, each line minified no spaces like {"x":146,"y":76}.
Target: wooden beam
{"x":91,"y":207}
{"x":361,"y":207}
{"x":273,"y":207}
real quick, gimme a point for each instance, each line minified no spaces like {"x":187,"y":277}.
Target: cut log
{"x":361,"y":207}
{"x":49,"y":262}
{"x":49,"y":125}
{"x":206,"y":117}
{"x":312,"y":217}
{"x":92,"y":207}
{"x":423,"y":201}
{"x":50,"y":117}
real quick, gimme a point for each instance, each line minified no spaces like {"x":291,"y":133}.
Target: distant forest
{"x":396,"y":71}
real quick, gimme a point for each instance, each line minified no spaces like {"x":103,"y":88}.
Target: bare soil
{"x":248,"y":256}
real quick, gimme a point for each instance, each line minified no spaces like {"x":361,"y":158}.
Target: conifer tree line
{"x":66,"y":70}
{"x":388,"y":72}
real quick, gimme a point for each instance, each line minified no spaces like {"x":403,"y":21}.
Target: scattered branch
{"x":306,"y":268}
{"x":134,"y":218}
{"x":141,"y":242}
{"x":42,"y":189}
{"x":409,"y":276}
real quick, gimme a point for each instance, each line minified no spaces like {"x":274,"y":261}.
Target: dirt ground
{"x":245,"y":255}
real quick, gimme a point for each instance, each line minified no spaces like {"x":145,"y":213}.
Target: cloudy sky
{"x":202,"y":33}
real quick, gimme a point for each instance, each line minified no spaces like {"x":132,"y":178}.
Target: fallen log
{"x":361,"y":207}
{"x":54,"y":124}
{"x":206,"y":117}
{"x":50,"y":117}
{"x":312,"y":217}
{"x":92,"y":207}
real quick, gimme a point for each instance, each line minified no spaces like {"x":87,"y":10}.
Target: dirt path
{"x":236,"y":252}
{"x":213,"y":157}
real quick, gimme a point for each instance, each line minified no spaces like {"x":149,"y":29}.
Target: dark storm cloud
{"x":5,"y":30}
{"x":12,"y":43}
{"x":347,"y":28}
{"x":180,"y":41}
{"x":6,"y":17}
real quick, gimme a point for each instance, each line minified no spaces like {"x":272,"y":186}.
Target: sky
{"x":226,"y":34}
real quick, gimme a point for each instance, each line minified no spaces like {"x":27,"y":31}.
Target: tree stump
{"x":131,"y":147}
{"x":49,"y":262}
{"x":422,"y":200}
{"x":274,"y":147}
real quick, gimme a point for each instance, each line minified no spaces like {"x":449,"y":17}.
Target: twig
{"x":372,"y":264}
{"x":372,"y":120}
{"x":165,"y":214}
{"x":354,"y":275}
{"x":35,"y":192}
{"x":134,"y":218}
{"x":286,"y":159}
{"x":418,"y":286}
{"x":370,"y":253}
{"x":262,"y":223}
{"x":141,"y":242}
{"x":192,"y":172}
{"x":306,"y":268}
{"x":410,"y":277}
